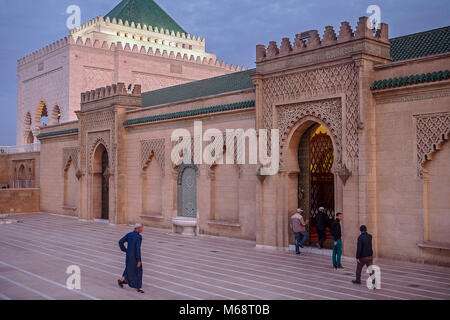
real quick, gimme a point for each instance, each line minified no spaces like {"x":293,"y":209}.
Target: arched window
{"x":44,"y":117}
{"x":41,"y":119}
{"x":22,"y":176}
{"x":152,"y":178}
{"x":56,"y":115}
{"x":29,"y":138}
{"x":71,"y":187}
{"x":28,"y":134}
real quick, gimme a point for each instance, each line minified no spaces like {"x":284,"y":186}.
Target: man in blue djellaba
{"x":133,"y":262}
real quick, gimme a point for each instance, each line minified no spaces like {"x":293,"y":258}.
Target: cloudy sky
{"x":232,"y":28}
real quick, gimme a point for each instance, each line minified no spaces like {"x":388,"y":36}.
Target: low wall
{"x":19,"y":200}
{"x":4,"y":178}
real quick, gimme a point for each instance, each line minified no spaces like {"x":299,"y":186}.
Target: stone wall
{"x":44,"y":79}
{"x":15,"y":201}
{"x":58,"y":167}
{"x":3,"y":169}
{"x":412,"y":194}
{"x":225,"y":207}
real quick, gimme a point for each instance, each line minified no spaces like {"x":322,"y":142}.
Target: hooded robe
{"x":132,"y":274}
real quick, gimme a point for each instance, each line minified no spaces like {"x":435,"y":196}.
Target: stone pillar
{"x":367,"y":207}
{"x":426,"y":206}
{"x":259,"y":101}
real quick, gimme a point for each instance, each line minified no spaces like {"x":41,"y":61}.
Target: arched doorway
{"x":316,"y":180}
{"x":309,"y":158}
{"x":100,"y":192}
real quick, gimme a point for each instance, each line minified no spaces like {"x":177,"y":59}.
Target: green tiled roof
{"x":412,"y":79}
{"x":144,"y":12}
{"x":57,"y":133}
{"x":189,"y":113}
{"x":227,"y":83}
{"x":421,"y":44}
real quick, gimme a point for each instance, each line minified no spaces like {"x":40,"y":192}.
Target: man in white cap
{"x":298,"y":225}
{"x":133,"y":262}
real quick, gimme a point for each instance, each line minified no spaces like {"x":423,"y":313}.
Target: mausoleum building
{"x":363,"y":122}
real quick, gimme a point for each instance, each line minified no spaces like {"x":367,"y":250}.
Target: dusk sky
{"x":232,"y":28}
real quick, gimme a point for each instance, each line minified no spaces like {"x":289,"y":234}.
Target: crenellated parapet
{"x":143,"y":50}
{"x":310,"y":40}
{"x":132,"y":46}
{"x":115,"y":94}
{"x":44,"y":51}
{"x":137,"y":27}
{"x":110,"y":91}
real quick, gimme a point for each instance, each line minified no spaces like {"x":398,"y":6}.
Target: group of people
{"x":364,"y":252}
{"x":132,"y":275}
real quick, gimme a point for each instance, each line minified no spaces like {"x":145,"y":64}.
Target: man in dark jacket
{"x":133,"y":265}
{"x":364,"y":253}
{"x":321,"y":225}
{"x":336,"y":240}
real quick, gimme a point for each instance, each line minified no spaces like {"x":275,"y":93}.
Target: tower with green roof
{"x":145,"y":12}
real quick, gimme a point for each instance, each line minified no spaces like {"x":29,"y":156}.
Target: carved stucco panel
{"x":154,"y":148}
{"x":329,"y":111}
{"x":432,"y":130}
{"x":334,"y":80}
{"x":95,"y":121}
{"x":70,"y":154}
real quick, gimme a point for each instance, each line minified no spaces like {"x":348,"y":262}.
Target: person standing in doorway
{"x":321,"y":225}
{"x":364,"y":253}
{"x":298,"y":225}
{"x":336,"y":240}
{"x":133,"y":262}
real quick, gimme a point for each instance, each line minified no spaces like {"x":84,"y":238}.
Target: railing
{"x":23,"y":184}
{"x":34,"y":147}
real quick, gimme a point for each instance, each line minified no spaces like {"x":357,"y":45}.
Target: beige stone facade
{"x":387,"y":140}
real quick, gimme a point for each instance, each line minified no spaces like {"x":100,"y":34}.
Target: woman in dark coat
{"x":133,"y":269}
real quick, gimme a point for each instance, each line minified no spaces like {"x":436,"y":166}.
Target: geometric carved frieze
{"x":94,"y":121}
{"x":97,"y":120}
{"x":327,"y":81}
{"x":432,"y":130}
{"x":329,"y":111}
{"x":153,"y":148}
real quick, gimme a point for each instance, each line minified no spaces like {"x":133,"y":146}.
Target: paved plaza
{"x":36,"y":252}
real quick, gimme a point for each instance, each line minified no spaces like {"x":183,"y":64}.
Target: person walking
{"x":321,"y":225}
{"x":133,"y":262}
{"x":336,"y":241}
{"x":298,"y":225}
{"x":364,"y":253}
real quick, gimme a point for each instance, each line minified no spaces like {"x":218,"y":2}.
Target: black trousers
{"x":367,"y":261}
{"x":322,"y":236}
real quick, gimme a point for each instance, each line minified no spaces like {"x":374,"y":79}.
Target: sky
{"x":232,"y":28}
